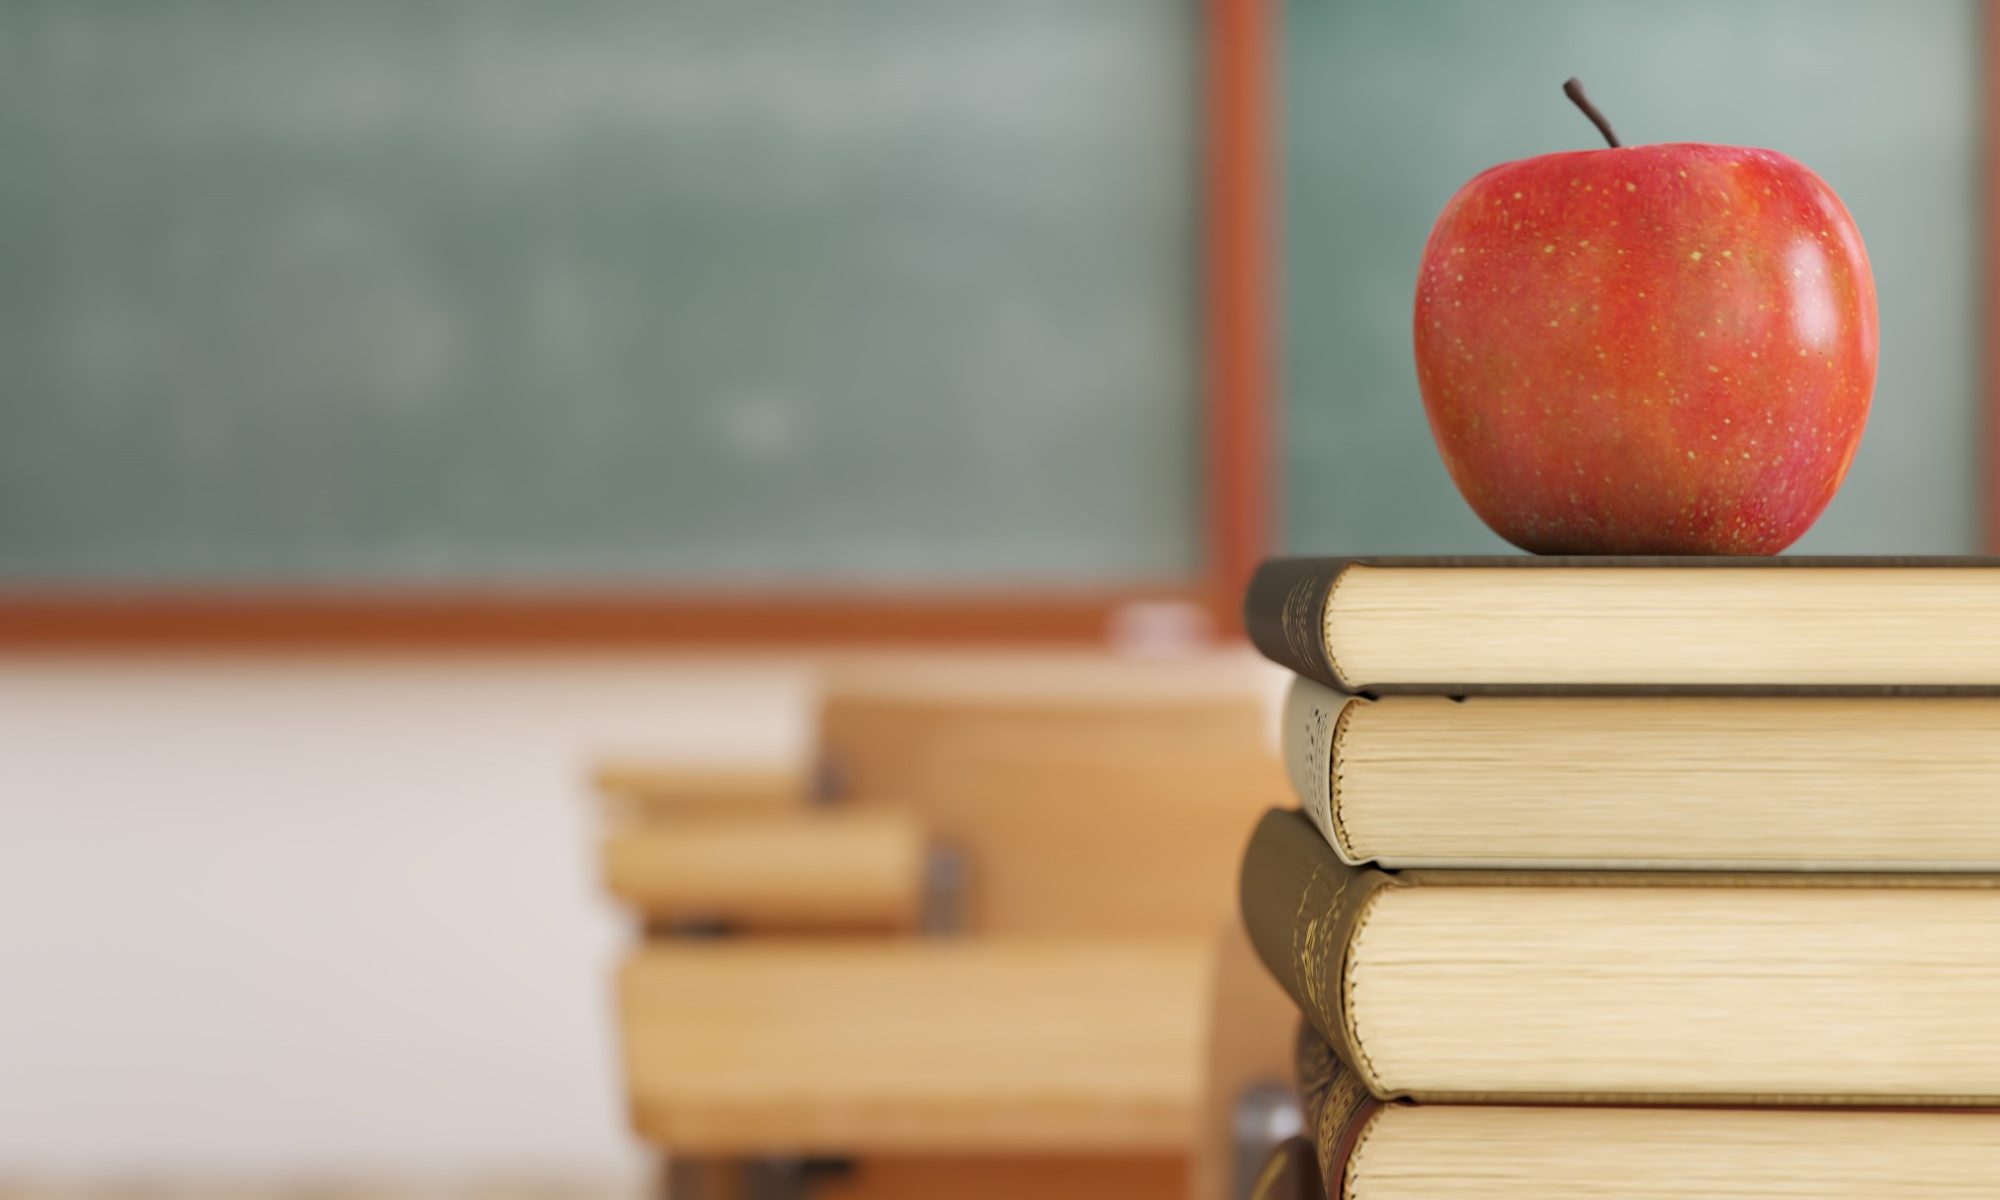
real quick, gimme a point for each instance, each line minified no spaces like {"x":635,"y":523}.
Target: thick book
{"x":1846,"y":783}
{"x":1368,"y":1150}
{"x":1635,"y":987}
{"x":1462,"y":626}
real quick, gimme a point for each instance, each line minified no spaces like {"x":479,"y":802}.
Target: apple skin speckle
{"x":1537,"y":367}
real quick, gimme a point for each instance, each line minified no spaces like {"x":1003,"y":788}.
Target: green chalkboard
{"x":694,"y":291}
{"x":1389,"y":106}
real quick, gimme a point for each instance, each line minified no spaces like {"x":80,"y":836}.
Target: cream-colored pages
{"x":1504,"y":1153}
{"x":1659,"y":782}
{"x":1862,"y":994}
{"x":1651,"y":626}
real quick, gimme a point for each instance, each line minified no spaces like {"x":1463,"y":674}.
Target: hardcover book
{"x":1655,"y":782}
{"x":1609,"y":987}
{"x":1368,"y":1150}
{"x":1462,"y":626}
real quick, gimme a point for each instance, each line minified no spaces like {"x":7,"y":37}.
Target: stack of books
{"x":1639,"y":877}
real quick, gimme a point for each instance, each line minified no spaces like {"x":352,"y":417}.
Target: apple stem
{"x":1574,"y":90}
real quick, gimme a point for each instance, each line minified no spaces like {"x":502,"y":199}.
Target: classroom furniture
{"x":830,"y":868}
{"x":643,"y":788}
{"x":737,"y":1047}
{"x":1043,"y":1018}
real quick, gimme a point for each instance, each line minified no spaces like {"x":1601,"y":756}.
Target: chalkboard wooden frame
{"x":1239,"y":489}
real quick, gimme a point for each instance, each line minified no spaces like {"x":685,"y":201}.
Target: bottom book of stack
{"x":1371,"y":1150}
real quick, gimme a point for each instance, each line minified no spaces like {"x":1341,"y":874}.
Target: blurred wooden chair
{"x":1080,"y":841}
{"x":876,"y":719}
{"x":879,"y":723}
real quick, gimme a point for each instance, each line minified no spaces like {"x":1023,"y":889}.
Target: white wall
{"x":317,"y":913}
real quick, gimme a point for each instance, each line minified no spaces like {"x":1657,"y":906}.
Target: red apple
{"x":1663,"y":349}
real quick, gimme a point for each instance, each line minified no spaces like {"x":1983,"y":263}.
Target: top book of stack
{"x":1526,"y":625}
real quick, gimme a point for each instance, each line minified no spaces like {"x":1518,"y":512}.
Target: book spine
{"x":1301,"y":906}
{"x":1284,"y":612}
{"x":1316,"y":719}
{"x":1336,"y":1107}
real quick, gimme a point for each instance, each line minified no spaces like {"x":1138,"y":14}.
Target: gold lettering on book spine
{"x":1330,"y":910}
{"x":1316,"y":932}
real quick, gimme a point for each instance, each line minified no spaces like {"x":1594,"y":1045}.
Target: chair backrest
{"x":877,"y":716}
{"x":1097,"y":803}
{"x":1073,"y":832}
